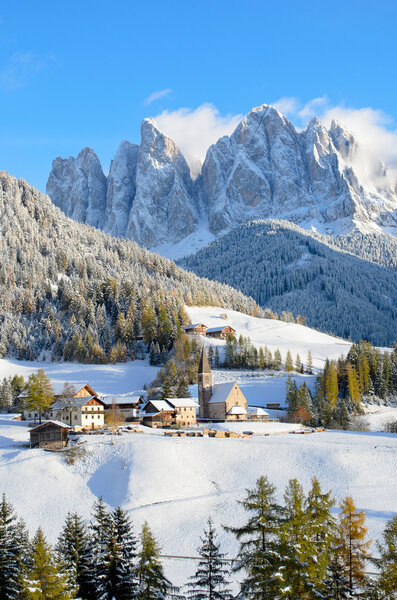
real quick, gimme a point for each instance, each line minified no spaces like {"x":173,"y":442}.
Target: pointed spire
{"x":204,"y":366}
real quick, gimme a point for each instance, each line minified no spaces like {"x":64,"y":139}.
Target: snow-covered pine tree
{"x":295,"y":544}
{"x":210,"y":580}
{"x":259,"y":540}
{"x":100,"y":531}
{"x":45,"y":578}
{"x":74,"y":549}
{"x":124,"y":578}
{"x":152,"y":583}
{"x":320,"y":531}
{"x":336,"y":585}
{"x":387,"y":561}
{"x":13,"y":542}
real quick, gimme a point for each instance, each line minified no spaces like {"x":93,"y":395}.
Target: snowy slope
{"x":119,"y":378}
{"x":274,"y":334}
{"x":176,"y":483}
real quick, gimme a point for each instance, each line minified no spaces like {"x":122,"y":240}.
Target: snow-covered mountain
{"x":265,"y":169}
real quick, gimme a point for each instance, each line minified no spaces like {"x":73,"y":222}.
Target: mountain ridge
{"x":265,"y":169}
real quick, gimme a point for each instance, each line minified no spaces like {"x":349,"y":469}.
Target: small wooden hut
{"x":50,"y":434}
{"x":220,"y":332}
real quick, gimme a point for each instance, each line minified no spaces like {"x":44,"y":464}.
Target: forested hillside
{"x":73,"y":292}
{"x":290,"y":269}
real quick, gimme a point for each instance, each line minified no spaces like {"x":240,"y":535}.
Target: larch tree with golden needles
{"x":353,"y":545}
{"x":354,"y":387}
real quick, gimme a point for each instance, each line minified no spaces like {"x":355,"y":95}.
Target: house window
{"x":75,"y":417}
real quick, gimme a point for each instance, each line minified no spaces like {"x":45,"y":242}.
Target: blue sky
{"x":86,"y":73}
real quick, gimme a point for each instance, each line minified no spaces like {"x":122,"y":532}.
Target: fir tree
{"x":152,"y":583}
{"x":74,"y":550}
{"x":210,"y":580}
{"x":259,"y":545}
{"x":45,"y":579}
{"x":124,"y":582}
{"x":320,"y":532}
{"x":277,"y":360}
{"x":387,"y":561}
{"x":13,"y":542}
{"x":354,"y":548}
{"x":309,"y":363}
{"x":182,"y":390}
{"x":289,"y":366}
{"x":336,"y":585}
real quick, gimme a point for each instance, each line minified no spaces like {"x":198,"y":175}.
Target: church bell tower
{"x":204,"y":385}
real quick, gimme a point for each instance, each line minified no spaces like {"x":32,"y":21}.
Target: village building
{"x":85,"y":391}
{"x":185,"y":411}
{"x":220,"y":332}
{"x":50,"y":434}
{"x":128,"y":406}
{"x":158,"y":413}
{"x":171,"y":411}
{"x":222,"y":401}
{"x":87,"y":412}
{"x":196,"y":329}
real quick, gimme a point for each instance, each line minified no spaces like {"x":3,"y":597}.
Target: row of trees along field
{"x":366,"y":375}
{"x":297,"y":550}
{"x":180,"y":369}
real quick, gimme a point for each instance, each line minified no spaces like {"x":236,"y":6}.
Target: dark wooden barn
{"x":51,"y":434}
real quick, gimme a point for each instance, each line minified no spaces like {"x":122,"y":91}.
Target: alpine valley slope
{"x":66,"y":287}
{"x":287,"y":268}
{"x":265,"y":169}
{"x":205,"y":476}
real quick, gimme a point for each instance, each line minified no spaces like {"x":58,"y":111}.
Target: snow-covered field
{"x":274,"y":334}
{"x":176,"y":483}
{"x":119,"y":378}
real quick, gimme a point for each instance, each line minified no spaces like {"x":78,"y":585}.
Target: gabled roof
{"x":62,"y":403}
{"x":57,"y":423}
{"x":215,"y":329}
{"x":221,"y":391}
{"x":204,"y":366}
{"x":159,"y":406}
{"x":181,"y":402}
{"x":119,"y":400}
{"x":194,"y":325}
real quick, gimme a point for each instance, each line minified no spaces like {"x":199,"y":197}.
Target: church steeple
{"x":204,"y":366}
{"x":204,"y":385}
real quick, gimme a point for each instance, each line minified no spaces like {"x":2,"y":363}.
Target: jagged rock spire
{"x":204,"y":366}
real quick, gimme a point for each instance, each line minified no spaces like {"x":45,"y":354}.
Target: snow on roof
{"x":58,"y":423}
{"x":181,"y":402}
{"x":237,"y":410}
{"x":68,"y":402}
{"x":214,"y":329}
{"x":118,"y":400}
{"x":259,"y":412}
{"x":220,"y":391}
{"x":194,"y":325}
{"x":160,"y":405}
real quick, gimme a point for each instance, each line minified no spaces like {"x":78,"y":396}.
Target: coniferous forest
{"x":294,"y":549}
{"x":345,"y":285}
{"x":69,"y":291}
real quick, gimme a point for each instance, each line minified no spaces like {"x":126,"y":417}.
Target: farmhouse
{"x":84,"y":411}
{"x":222,"y":401}
{"x":196,"y":329}
{"x":50,"y":434}
{"x":220,"y":332}
{"x":128,"y":406}
{"x":86,"y":391}
{"x":171,"y":411}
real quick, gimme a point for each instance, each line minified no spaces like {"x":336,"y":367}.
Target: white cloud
{"x":194,"y":130}
{"x":20,"y":69}
{"x":156,"y":96}
{"x":372,"y":128}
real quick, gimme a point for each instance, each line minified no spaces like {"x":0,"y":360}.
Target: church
{"x":221,"y":401}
